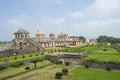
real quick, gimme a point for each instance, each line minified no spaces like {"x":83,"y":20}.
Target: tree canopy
{"x":82,"y":38}
{"x":108,"y":39}
{"x":79,"y":37}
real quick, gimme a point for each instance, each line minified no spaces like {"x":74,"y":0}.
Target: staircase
{"x":35,"y":44}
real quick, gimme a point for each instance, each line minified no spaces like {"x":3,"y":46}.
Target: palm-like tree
{"x":34,"y":61}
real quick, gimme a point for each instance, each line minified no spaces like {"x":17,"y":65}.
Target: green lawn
{"x":13,"y":71}
{"x":103,"y":58}
{"x":92,"y":74}
{"x":75,"y":73}
{"x":98,"y":53}
{"x":94,"y":49}
{"x":47,"y":73}
{"x":20,"y":57}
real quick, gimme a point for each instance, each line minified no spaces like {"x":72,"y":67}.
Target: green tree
{"x":102,"y":39}
{"x":34,"y":61}
{"x":65,"y":71}
{"x":58,"y":75}
{"x":82,"y":38}
{"x":106,"y":39}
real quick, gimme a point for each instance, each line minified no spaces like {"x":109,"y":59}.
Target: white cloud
{"x":20,"y":21}
{"x":100,"y":24}
{"x":105,"y":7}
{"x":77,"y":14}
{"x":14,"y":22}
{"x":53,"y":20}
{"x":99,"y":27}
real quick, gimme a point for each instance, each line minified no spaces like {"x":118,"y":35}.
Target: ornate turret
{"x":40,"y":33}
{"x":51,"y":36}
{"x":62,"y":35}
{"x":21,"y":33}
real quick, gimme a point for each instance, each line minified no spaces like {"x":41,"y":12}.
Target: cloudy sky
{"x":89,"y":18}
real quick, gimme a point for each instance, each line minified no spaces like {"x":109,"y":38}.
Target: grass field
{"x":92,"y":74}
{"x":98,"y":54}
{"x":103,"y":58}
{"x":20,"y":57}
{"x":13,"y":71}
{"x":48,"y":73}
{"x":75,"y":73}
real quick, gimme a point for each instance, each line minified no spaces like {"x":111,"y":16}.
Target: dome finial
{"x":40,"y":31}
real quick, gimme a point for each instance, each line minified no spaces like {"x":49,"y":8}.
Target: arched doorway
{"x":20,"y":43}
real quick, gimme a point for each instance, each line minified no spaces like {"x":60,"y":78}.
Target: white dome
{"x":40,"y":31}
{"x":62,"y":34}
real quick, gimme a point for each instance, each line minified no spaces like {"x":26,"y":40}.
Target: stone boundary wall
{"x":102,"y":66}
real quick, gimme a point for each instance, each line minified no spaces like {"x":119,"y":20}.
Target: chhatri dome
{"x":62,"y":34}
{"x":21,"y":30}
{"x":40,"y":31}
{"x":51,"y":34}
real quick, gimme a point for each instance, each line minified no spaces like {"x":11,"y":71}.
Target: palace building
{"x":24,"y":43}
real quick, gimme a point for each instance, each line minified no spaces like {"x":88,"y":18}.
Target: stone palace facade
{"x":23,"y":42}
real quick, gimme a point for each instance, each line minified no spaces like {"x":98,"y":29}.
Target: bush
{"x":55,"y":61}
{"x":36,"y":54}
{"x":58,"y":62}
{"x":52,"y":59}
{"x":42,"y":53}
{"x":15,"y":58}
{"x":23,"y":56}
{"x":108,"y":68}
{"x":58,"y":75}
{"x":17,"y":63}
{"x":65,"y":71}
{"x":87,"y":66}
{"x":105,"y":50}
{"x":30,"y":55}
{"x":2,"y":66}
{"x":34,"y":61}
{"x":40,"y":59}
{"x":67,"y":63}
{"x":27,"y":68}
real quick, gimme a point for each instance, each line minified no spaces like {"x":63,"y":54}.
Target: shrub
{"x":67,"y":63}
{"x":58,"y":62}
{"x":40,"y":59}
{"x":52,"y":59}
{"x":108,"y":68}
{"x":17,"y":63}
{"x":34,"y":61}
{"x":105,"y":50}
{"x":65,"y":71}
{"x":36,"y":54}
{"x":2,"y":66}
{"x":42,"y":53}
{"x":23,"y":56}
{"x":27,"y":68}
{"x":15,"y":58}
{"x":30,"y":55}
{"x":87,"y":66}
{"x":55,"y":61}
{"x":58,"y":75}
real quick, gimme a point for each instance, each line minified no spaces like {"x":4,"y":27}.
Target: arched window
{"x":20,"y":43}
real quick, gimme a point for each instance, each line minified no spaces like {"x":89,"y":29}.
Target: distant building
{"x":24,"y":43}
{"x":87,"y":40}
